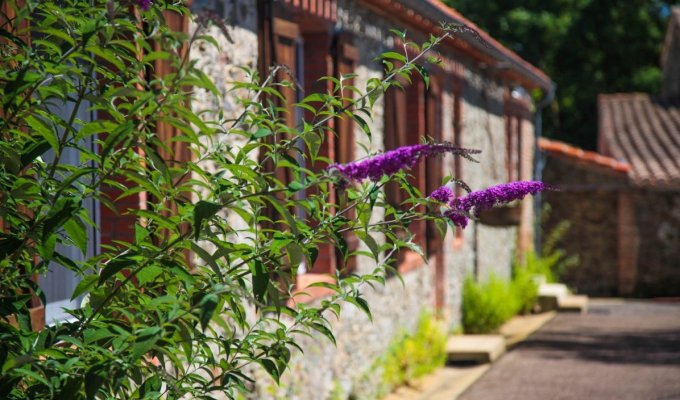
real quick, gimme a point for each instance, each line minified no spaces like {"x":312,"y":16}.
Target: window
{"x":433,"y":170}
{"x":405,"y":125}
{"x":434,"y":175}
{"x":311,"y":51}
{"x":345,"y":57}
{"x":59,"y":282}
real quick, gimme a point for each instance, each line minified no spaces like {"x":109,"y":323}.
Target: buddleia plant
{"x":203,"y":290}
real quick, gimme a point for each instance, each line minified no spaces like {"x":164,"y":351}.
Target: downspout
{"x":539,"y":164}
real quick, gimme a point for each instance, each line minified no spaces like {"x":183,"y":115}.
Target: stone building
{"x":478,"y":98}
{"x":627,"y":214}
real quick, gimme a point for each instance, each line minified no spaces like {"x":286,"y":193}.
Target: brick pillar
{"x":628,"y":242}
{"x":525,"y":235}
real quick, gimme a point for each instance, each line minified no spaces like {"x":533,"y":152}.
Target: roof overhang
{"x":426,"y":15}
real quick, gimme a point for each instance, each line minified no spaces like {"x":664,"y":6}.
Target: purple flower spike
{"x":478,"y":201}
{"x":443,"y":194}
{"x":395,"y":160}
{"x":143,"y":4}
{"x":458,"y":219}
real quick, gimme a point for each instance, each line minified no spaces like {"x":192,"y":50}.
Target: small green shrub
{"x":412,"y":356}
{"x":554,"y":261}
{"x":486,"y":306}
{"x":524,"y":289}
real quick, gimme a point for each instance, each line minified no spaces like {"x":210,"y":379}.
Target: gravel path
{"x":619,"y":350}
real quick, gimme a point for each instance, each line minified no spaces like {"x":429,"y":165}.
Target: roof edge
{"x":432,"y":12}
{"x":563,"y":149}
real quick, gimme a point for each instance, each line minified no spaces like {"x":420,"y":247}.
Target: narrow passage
{"x":619,"y":350}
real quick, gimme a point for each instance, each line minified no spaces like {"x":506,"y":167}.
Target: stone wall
{"x":397,"y":308}
{"x":588,"y":198}
{"x":488,"y":249}
{"x":657,"y":218}
{"x":627,"y":238}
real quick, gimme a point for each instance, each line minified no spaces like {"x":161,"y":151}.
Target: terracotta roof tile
{"x":645,"y":132}
{"x":587,"y":157}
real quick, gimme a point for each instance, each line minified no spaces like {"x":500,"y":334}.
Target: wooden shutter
{"x":458,"y":161}
{"x":166,"y":132}
{"x":345,"y":59}
{"x":417,"y":125}
{"x":434,"y":173}
{"x":281,"y":47}
{"x":394,"y":134}
{"x":286,"y":35}
{"x":175,"y":153}
{"x":345,"y":62}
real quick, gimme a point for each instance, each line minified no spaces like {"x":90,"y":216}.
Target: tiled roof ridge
{"x":644,"y":130}
{"x":622,"y":96}
{"x":591,"y":157}
{"x":618,"y":96}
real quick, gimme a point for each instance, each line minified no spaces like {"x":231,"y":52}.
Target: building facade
{"x":477,"y":99}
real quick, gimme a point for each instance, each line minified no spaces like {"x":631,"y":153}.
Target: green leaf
{"x":46,"y":248}
{"x":391,"y":55}
{"x":363,"y":124}
{"x":262,"y":132}
{"x":313,"y":253}
{"x":326,"y":285}
{"x":401,"y":34}
{"x":94,"y":127}
{"x":295,"y":254}
{"x":207,"y":306}
{"x":296,"y":186}
{"x":113,"y":267}
{"x":260,"y":280}
{"x":361,"y":304}
{"x":77,"y":233}
{"x":95,"y":335}
{"x":324,"y":331}
{"x":87,"y":282}
{"x":271,"y":368}
{"x":41,"y":128}
{"x":148,"y":274}
{"x":370,"y":242}
{"x":341,"y":244}
{"x":424,"y":74}
{"x":202,"y":211}
{"x":181,"y":273}
{"x":146,"y":339}
{"x":208,"y":258}
{"x":61,"y":211}
{"x":94,"y":379}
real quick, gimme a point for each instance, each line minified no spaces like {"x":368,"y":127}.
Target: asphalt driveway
{"x":619,"y":350}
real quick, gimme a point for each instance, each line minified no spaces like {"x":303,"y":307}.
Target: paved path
{"x":619,"y":351}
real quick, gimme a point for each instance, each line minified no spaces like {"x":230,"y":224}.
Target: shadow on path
{"x":619,"y":350}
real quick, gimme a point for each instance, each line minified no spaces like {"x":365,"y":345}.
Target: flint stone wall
{"x":396,"y":308}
